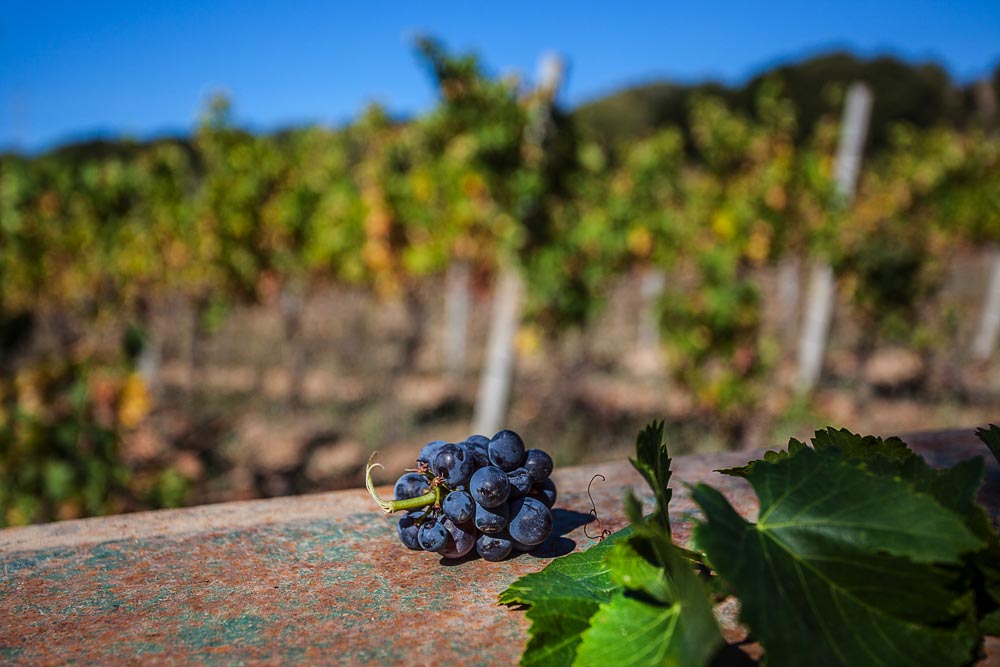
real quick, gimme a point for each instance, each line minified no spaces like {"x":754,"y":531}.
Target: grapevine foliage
{"x":991,"y":437}
{"x":862,"y":554}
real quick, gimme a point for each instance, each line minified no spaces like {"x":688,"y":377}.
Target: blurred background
{"x":242,"y":245}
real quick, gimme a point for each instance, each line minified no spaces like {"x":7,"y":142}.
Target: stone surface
{"x":317,"y":579}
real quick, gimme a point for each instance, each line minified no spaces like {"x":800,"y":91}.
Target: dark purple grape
{"x":494,"y":547}
{"x":453,"y":464}
{"x":545,"y":492}
{"x":480,"y":440}
{"x":461,"y":540}
{"x":476,"y":444}
{"x":407,"y":529}
{"x":489,"y":486}
{"x":492,"y":520}
{"x":506,"y":450}
{"x":459,"y":506}
{"x":538,"y":464}
{"x":410,"y":485}
{"x":432,"y":536}
{"x":530,"y":521}
{"x":429,"y":451}
{"x":520,"y":482}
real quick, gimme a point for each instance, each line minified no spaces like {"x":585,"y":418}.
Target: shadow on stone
{"x":554,"y":547}
{"x":449,"y":562}
{"x":563,"y":521}
{"x":566,"y":521}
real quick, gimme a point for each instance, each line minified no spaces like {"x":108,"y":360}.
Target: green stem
{"x":432,"y":497}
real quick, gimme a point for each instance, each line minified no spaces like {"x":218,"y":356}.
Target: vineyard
{"x":244,"y":314}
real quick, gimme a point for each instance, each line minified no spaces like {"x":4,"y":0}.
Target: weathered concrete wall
{"x":317,"y":579}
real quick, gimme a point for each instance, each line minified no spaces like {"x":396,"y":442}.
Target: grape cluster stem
{"x":432,"y":497}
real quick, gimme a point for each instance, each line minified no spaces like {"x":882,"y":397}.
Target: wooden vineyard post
{"x":456,"y":319}
{"x":650,"y":358}
{"x":821,"y":295}
{"x":989,"y":319}
{"x":498,"y":369}
{"x":651,"y":285}
{"x":988,"y":332}
{"x":150,"y":361}
{"x":788,"y":300}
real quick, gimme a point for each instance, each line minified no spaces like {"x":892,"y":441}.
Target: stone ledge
{"x":316,"y":579}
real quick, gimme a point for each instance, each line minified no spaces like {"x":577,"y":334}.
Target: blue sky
{"x":72,"y":70}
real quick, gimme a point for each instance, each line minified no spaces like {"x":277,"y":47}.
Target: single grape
{"x":480,"y":440}
{"x":453,"y":464}
{"x":538,"y":465}
{"x":494,"y":547}
{"x":530,"y":521}
{"x":489,"y":486}
{"x":432,"y":536}
{"x":459,"y":506}
{"x":461,"y":540}
{"x":407,"y":529}
{"x":429,"y":451}
{"x":545,"y":492}
{"x":520,"y":482}
{"x":476,"y":444}
{"x":410,"y":485}
{"x":506,"y":450}
{"x":492,"y":520}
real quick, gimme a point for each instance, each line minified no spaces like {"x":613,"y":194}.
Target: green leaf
{"x":991,"y":437}
{"x":955,"y":488}
{"x":633,"y":566}
{"x":630,"y":633}
{"x":861,"y":448}
{"x":563,"y":597}
{"x":987,"y":585}
{"x":794,"y":446}
{"x":653,"y":463}
{"x":843,"y":567}
{"x":678,"y":628}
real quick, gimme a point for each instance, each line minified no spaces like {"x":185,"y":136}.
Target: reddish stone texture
{"x":315,"y":579}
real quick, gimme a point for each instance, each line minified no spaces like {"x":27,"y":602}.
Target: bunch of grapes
{"x":487,"y":494}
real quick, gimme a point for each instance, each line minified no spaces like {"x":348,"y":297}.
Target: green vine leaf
{"x":563,"y":597}
{"x":991,"y":437}
{"x":844,"y":567}
{"x":861,"y":448}
{"x":633,"y":567}
{"x":862,"y":554}
{"x":674,"y":625}
{"x":653,"y":463}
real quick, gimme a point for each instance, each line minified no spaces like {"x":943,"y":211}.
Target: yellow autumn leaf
{"x":723,"y":225}
{"x":134,"y":403}
{"x":640,"y":241}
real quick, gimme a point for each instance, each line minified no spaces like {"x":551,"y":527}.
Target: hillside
{"x":921,"y":94}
